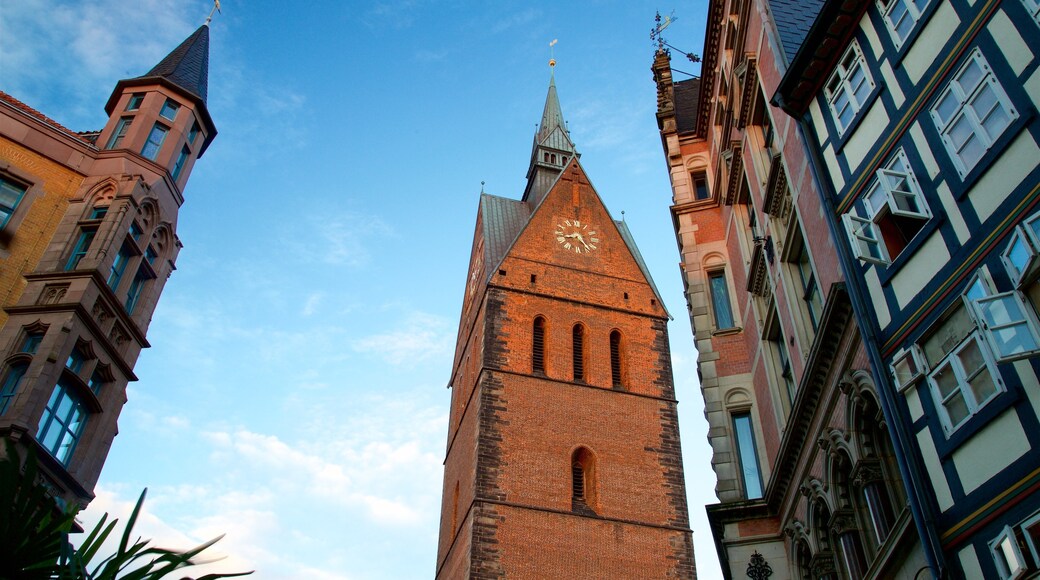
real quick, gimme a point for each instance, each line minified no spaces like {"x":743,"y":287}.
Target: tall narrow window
{"x":116,"y":140}
{"x":155,"y":141}
{"x":86,"y":237}
{"x":10,"y":196}
{"x":720,"y":299}
{"x":194,"y":132}
{"x":77,"y":358}
{"x":615,"y":359}
{"x":119,"y":266}
{"x":901,"y":16}
{"x":700,"y":185}
{"x":810,"y":289}
{"x":538,"y":347}
{"x":182,"y":158}
{"x":9,"y":386}
{"x":32,"y":342}
{"x":748,"y":456}
{"x":62,"y":423}
{"x":578,"y":353}
{"x":583,"y":481}
{"x":134,"y":294}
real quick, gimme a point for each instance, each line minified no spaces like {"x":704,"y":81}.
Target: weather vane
{"x":216,"y":8}
{"x":552,"y":59}
{"x":657,"y":37}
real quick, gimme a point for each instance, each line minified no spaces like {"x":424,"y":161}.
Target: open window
{"x":893,"y":212}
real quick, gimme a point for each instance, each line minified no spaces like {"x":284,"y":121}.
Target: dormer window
{"x":169,"y":109}
{"x":135,"y":102}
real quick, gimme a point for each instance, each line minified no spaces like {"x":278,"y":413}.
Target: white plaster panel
{"x":1008,"y":171}
{"x":833,"y":169}
{"x":1032,"y":86}
{"x":871,"y":34}
{"x":970,"y":562}
{"x":949,"y":205}
{"x":867,"y":134}
{"x":924,"y":151}
{"x":939,"y":29}
{"x":921,"y":268}
{"x":892,"y":84}
{"x":935,"y":472}
{"x":990,"y":450}
{"x":913,"y":401}
{"x":817,"y":118}
{"x":1010,"y":42}
{"x":1029,"y":383}
{"x":877,"y":297}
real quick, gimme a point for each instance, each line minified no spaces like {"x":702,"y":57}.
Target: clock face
{"x":575,"y":236}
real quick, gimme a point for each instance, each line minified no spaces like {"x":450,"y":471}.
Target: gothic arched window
{"x":583,"y":480}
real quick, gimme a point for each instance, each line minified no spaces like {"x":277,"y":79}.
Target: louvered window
{"x":615,"y":358}
{"x":579,"y":352}
{"x":578,"y":480}
{"x":538,"y":346}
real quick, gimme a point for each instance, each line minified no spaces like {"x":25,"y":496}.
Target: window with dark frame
{"x":720,"y":303}
{"x":615,"y":359}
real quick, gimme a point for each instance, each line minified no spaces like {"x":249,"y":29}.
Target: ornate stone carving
{"x":118,"y":336}
{"x":53,"y":294}
{"x":101,"y":313}
{"x":822,"y":565}
{"x":866,"y":472}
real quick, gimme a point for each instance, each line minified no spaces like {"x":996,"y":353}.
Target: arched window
{"x":803,"y":560}
{"x":844,"y":521}
{"x":583,"y":481}
{"x":578,"y":345}
{"x":538,"y":346}
{"x":823,"y":562}
{"x":615,"y":359}
{"x":9,"y":386}
{"x":869,"y":476}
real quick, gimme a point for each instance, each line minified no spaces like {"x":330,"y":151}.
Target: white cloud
{"x":420,"y":337}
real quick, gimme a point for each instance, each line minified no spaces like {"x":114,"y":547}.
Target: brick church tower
{"x":563,"y":456}
{"x":88,"y":238}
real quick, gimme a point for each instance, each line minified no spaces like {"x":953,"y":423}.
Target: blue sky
{"x":294,"y":397}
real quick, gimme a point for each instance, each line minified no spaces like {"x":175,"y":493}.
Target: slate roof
{"x":503,"y":220}
{"x":687,"y":95}
{"x":793,"y":20}
{"x":187,"y":66}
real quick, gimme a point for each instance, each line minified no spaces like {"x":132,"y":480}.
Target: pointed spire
{"x":552,"y":115}
{"x":187,"y":66}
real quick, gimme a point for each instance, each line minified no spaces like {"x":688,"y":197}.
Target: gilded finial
{"x":552,"y":60}
{"x":481,"y":187}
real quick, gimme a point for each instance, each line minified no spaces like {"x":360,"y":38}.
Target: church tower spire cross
{"x":563,"y":457}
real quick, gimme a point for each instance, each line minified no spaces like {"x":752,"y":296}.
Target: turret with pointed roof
{"x":185,"y":70}
{"x":552,"y":148}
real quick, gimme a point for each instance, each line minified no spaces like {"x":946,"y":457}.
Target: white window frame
{"x":1000,"y":555}
{"x":1033,"y":6}
{"x":1031,"y":522}
{"x":952,"y":361}
{"x":841,"y":80}
{"x":1022,"y":322}
{"x":906,"y":202}
{"x":911,"y":11}
{"x":864,"y":234}
{"x":1027,"y":234}
{"x":965,"y":97}
{"x":908,"y":366}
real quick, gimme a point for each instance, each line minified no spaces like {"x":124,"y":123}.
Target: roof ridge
{"x":21,"y":106}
